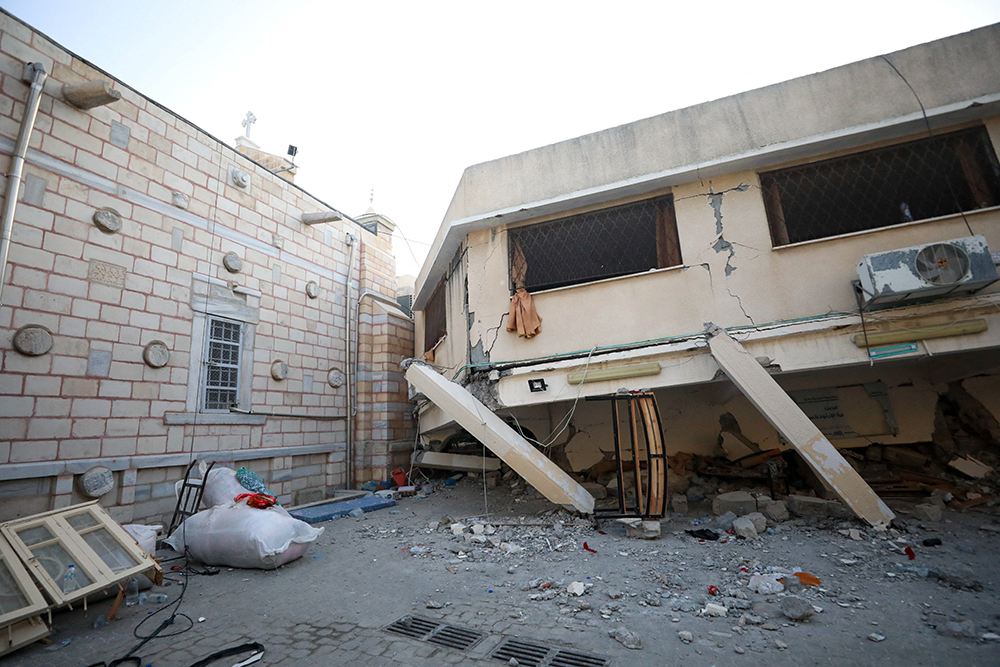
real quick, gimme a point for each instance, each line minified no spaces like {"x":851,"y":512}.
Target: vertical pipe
{"x":37,"y":73}
{"x":352,"y":241}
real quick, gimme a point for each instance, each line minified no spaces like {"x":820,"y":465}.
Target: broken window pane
{"x":111,"y":552}
{"x":55,"y":560}
{"x":81,"y":521}
{"x":34,"y":535}
{"x":11,"y":597}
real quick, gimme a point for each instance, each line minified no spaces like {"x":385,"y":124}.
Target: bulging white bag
{"x":221,"y":487}
{"x":236,"y":535}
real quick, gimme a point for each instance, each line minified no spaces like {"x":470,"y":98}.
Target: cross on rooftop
{"x":248,"y":121}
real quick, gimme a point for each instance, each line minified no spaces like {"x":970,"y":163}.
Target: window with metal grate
{"x":435,"y":316}
{"x":222,"y":359}
{"x":917,"y":180}
{"x":607,"y":243}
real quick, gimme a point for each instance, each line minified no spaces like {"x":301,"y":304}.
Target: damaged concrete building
{"x":839,"y":225}
{"x":168,"y":297}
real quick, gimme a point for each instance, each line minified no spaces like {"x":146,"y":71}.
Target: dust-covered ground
{"x":873,"y":605}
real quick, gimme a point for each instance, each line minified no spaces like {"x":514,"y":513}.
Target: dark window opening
{"x":612,"y":242}
{"x":921,"y":179}
{"x":435,"y":316}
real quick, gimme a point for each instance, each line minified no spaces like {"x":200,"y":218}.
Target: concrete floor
{"x":329,"y":607}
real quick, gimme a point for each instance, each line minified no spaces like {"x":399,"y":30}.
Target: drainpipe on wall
{"x":349,"y":449}
{"x":35,"y":74}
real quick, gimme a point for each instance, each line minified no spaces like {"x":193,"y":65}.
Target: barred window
{"x":222,"y":364}
{"x":611,"y":242}
{"x":921,"y":179}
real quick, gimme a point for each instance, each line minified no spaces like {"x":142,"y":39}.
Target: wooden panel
{"x":501,"y":439}
{"x":780,"y":410}
{"x":19,"y":577}
{"x":22,"y":633}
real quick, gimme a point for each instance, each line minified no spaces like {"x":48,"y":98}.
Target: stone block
{"x":809,"y":506}
{"x":739,"y":503}
{"x":759,"y":521}
{"x":776,"y":511}
{"x":725,"y":522}
{"x":744,"y":528}
{"x":639,"y":529}
{"x":679,"y":503}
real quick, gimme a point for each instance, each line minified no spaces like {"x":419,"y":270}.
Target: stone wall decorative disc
{"x":180,"y":200}
{"x":312,"y":289}
{"x":335,"y":377}
{"x":279,"y":370}
{"x":241,"y":179}
{"x":97,"y":482}
{"x":108,"y":220}
{"x":232,"y":262}
{"x":156,"y":354}
{"x":32,"y":340}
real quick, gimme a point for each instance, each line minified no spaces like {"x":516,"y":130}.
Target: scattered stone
{"x":725,"y":522}
{"x":679,"y":503}
{"x":739,"y":650}
{"x":855,"y":534}
{"x":780,"y":644}
{"x":576,"y":588}
{"x":876,"y":637}
{"x":614,"y":594}
{"x":737,"y":502}
{"x":433,"y":604}
{"x":776,"y":511}
{"x":958,"y":629}
{"x":478,"y":529}
{"x":626,"y":638}
{"x":744,"y":528}
{"x":644,"y":530}
{"x":457,"y":528}
{"x":773,"y":627}
{"x":809,"y":506}
{"x":712,"y":609}
{"x":759,"y":522}
{"x":956,"y":578}
{"x":927,"y":512}
{"x":796,"y":608}
{"x":685,"y":636}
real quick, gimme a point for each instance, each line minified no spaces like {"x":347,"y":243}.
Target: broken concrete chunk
{"x":927,"y":512}
{"x":685,"y":636}
{"x":796,"y":608}
{"x":971,"y":467}
{"x":776,"y":511}
{"x":712,"y":609}
{"x":679,"y":503}
{"x":643,"y":530}
{"x":759,"y":522}
{"x":958,"y":629}
{"x":737,"y":502}
{"x":576,"y":588}
{"x":626,"y":638}
{"x":809,"y":506}
{"x":457,"y":528}
{"x":744,"y":528}
{"x":725,"y":522}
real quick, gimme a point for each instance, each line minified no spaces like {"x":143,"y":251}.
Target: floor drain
{"x":434,"y":632}
{"x":533,"y":654}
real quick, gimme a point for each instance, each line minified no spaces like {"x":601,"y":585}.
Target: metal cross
{"x":248,"y":121}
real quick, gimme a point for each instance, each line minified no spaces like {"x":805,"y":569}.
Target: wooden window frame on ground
{"x":85,"y":558}
{"x":36,"y":603}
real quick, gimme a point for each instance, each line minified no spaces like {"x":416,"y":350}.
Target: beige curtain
{"x":523,"y":317}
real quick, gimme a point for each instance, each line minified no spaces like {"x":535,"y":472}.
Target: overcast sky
{"x":402,"y":96}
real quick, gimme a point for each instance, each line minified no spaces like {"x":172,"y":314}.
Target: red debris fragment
{"x":909,"y":553}
{"x":712,"y":590}
{"x":586,"y":547}
{"x":546,"y":585}
{"x":602,"y":532}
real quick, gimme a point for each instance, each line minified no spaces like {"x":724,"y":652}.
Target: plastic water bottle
{"x":142,"y":598}
{"x":69,"y":582}
{"x":160,"y":598}
{"x":131,"y":592}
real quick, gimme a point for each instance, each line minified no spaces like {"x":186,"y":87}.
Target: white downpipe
{"x":37,"y":76}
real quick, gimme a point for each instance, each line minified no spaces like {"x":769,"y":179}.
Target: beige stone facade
{"x":184,"y":200}
{"x":792,"y":304}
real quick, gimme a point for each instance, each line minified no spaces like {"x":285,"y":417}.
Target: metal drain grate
{"x":533,"y":654}
{"x":434,"y":632}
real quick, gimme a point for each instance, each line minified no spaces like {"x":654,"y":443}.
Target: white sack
{"x":221,"y":487}
{"x":145,"y":536}
{"x":236,"y":535}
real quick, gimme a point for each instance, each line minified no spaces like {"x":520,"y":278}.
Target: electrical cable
{"x":930,"y":134}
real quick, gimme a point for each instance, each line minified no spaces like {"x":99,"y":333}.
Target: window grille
{"x":222,"y":377}
{"x":921,"y":179}
{"x":591,"y":246}
{"x":435,"y":317}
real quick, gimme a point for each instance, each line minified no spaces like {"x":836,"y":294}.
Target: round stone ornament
{"x":335,"y":378}
{"x":232,"y":262}
{"x":279,"y":369}
{"x":241,"y":179}
{"x":312,"y":289}
{"x":156,"y":354}
{"x":32,"y":340}
{"x":97,"y":482}
{"x":108,"y":220}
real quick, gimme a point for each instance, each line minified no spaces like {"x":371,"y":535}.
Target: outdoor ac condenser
{"x":926,"y":271}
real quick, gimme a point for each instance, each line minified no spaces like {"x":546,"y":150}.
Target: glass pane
{"x":110,"y":550}
{"x":34,"y":535}
{"x":81,"y":521}
{"x":55,"y":559}
{"x":11,"y":597}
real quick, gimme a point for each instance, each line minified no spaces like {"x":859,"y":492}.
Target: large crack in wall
{"x":722,"y":245}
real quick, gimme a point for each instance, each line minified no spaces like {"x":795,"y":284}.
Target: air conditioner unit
{"x":926,"y":271}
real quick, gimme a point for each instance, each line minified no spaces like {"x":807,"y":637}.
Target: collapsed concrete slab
{"x":460,"y":462}
{"x":793,"y":424}
{"x":531,"y":464}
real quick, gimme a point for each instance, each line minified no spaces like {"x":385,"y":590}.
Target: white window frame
{"x":36,"y":603}
{"x":208,"y":364}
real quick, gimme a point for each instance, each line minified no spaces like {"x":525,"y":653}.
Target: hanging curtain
{"x":523,"y":317}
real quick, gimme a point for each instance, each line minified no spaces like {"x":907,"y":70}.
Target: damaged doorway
{"x":639,"y":457}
